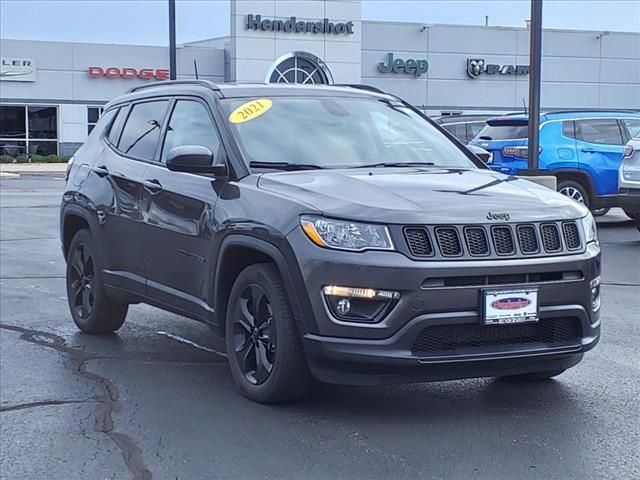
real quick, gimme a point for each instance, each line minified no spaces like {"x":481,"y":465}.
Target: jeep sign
{"x":399,"y":65}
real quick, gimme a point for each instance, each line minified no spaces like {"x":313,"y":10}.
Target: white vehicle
{"x":629,"y":180}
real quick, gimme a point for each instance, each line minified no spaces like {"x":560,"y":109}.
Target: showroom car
{"x":362,"y":247}
{"x":629,"y":180}
{"x":583,"y":149}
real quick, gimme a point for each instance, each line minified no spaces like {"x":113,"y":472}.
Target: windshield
{"x":338,"y":133}
{"x":503,"y":132}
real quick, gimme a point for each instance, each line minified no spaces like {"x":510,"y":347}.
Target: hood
{"x":421,"y":195}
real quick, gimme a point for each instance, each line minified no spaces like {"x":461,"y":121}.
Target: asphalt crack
{"x":106,"y":400}
{"x":44,"y":403}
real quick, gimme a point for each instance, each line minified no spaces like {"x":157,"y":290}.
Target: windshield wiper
{"x":396,"y":164}
{"x":285,"y":166}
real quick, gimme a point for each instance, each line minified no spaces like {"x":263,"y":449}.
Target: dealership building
{"x":51,"y":93}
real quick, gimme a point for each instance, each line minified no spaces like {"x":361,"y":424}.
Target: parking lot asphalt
{"x":156,"y":400}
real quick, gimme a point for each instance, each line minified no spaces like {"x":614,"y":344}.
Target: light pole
{"x":172,"y":39}
{"x":535,"y":62}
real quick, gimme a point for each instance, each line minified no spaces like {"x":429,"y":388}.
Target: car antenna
{"x":524,"y":104}
{"x":195,"y":68}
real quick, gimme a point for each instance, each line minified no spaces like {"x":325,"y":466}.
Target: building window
{"x":299,"y":67}
{"x":93,"y":114}
{"x":28,"y":130}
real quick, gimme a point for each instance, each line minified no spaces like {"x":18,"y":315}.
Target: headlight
{"x":589,"y":228}
{"x":343,"y":235}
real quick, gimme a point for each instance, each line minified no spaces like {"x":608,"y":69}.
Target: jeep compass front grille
{"x":493,"y":241}
{"x":503,"y":240}
{"x":419,"y":242}
{"x":477,"y":338}
{"x":448,"y":241}
{"x":476,"y":241}
{"x":571,"y":235}
{"x":528,"y":239}
{"x":551,"y":238}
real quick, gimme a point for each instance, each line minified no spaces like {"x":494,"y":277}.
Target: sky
{"x":144,"y":22}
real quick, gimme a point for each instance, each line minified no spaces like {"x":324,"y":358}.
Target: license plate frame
{"x":511,"y":306}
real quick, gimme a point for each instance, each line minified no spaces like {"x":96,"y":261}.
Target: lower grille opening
{"x":514,"y":279}
{"x":477,"y":338}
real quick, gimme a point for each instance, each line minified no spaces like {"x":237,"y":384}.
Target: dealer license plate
{"x":505,"y":307}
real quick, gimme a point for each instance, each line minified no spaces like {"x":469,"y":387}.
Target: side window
{"x":633,"y":125}
{"x":140,"y":134}
{"x":449,"y":128}
{"x":473,"y":129}
{"x":105,"y":121}
{"x":191,"y":124}
{"x":603,"y":131}
{"x":114,"y":128}
{"x":569,"y":129}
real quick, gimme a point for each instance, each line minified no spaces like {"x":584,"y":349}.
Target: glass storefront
{"x":28,"y":130}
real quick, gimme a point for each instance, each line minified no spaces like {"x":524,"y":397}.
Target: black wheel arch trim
{"x":75,"y":210}
{"x":286,"y":265}
{"x":576,"y":174}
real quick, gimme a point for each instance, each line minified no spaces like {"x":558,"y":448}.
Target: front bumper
{"x":385,"y":352}
{"x":629,"y":200}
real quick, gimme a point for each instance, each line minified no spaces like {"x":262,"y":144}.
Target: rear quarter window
{"x":603,"y":131}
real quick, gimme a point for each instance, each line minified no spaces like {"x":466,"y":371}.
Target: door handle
{"x":101,"y":171}
{"x":589,"y":150}
{"x":154,"y":186}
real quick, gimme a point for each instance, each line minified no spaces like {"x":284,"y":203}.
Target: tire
{"x":630,"y":215}
{"x":92,"y":310}
{"x":575,"y":191}
{"x":637,"y":222}
{"x":600,"y":212}
{"x":265,"y":353}
{"x":535,"y":376}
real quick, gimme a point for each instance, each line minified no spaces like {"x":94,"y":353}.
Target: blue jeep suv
{"x":583,"y":149}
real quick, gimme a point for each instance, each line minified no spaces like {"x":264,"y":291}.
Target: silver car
{"x":629,"y":180}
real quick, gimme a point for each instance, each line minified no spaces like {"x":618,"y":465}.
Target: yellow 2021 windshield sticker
{"x":250,"y":110}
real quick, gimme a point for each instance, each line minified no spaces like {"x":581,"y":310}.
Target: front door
{"x":600,"y":147}
{"x":178,"y":215}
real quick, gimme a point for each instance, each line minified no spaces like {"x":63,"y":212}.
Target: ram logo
{"x":475,"y":66}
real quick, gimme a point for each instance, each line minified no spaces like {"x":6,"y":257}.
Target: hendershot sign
{"x":17,"y":69}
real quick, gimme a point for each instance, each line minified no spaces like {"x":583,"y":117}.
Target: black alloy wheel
{"x":93,"y":311}
{"x":254,"y":335}
{"x":265,"y":352}
{"x":82,"y":281}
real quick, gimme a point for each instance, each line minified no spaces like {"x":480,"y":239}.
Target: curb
{"x":9,"y":176}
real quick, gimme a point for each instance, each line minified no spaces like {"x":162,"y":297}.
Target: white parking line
{"x":186,"y":341}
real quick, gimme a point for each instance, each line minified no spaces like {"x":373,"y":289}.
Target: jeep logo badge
{"x":498,"y":216}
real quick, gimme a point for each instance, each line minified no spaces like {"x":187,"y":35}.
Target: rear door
{"x":178,"y":214}
{"x":600,"y":143}
{"x":120,"y":168}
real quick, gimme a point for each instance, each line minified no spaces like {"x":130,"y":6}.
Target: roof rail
{"x":579,"y":110}
{"x":202,"y":83}
{"x":361,"y":86}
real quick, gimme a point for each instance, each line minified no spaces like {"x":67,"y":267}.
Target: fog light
{"x":359,"y":304}
{"x":343,"y":306}
{"x":595,"y":294}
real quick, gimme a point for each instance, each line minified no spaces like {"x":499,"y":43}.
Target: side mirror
{"x":194,"y":159}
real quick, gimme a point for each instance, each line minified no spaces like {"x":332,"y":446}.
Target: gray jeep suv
{"x":333,"y":233}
